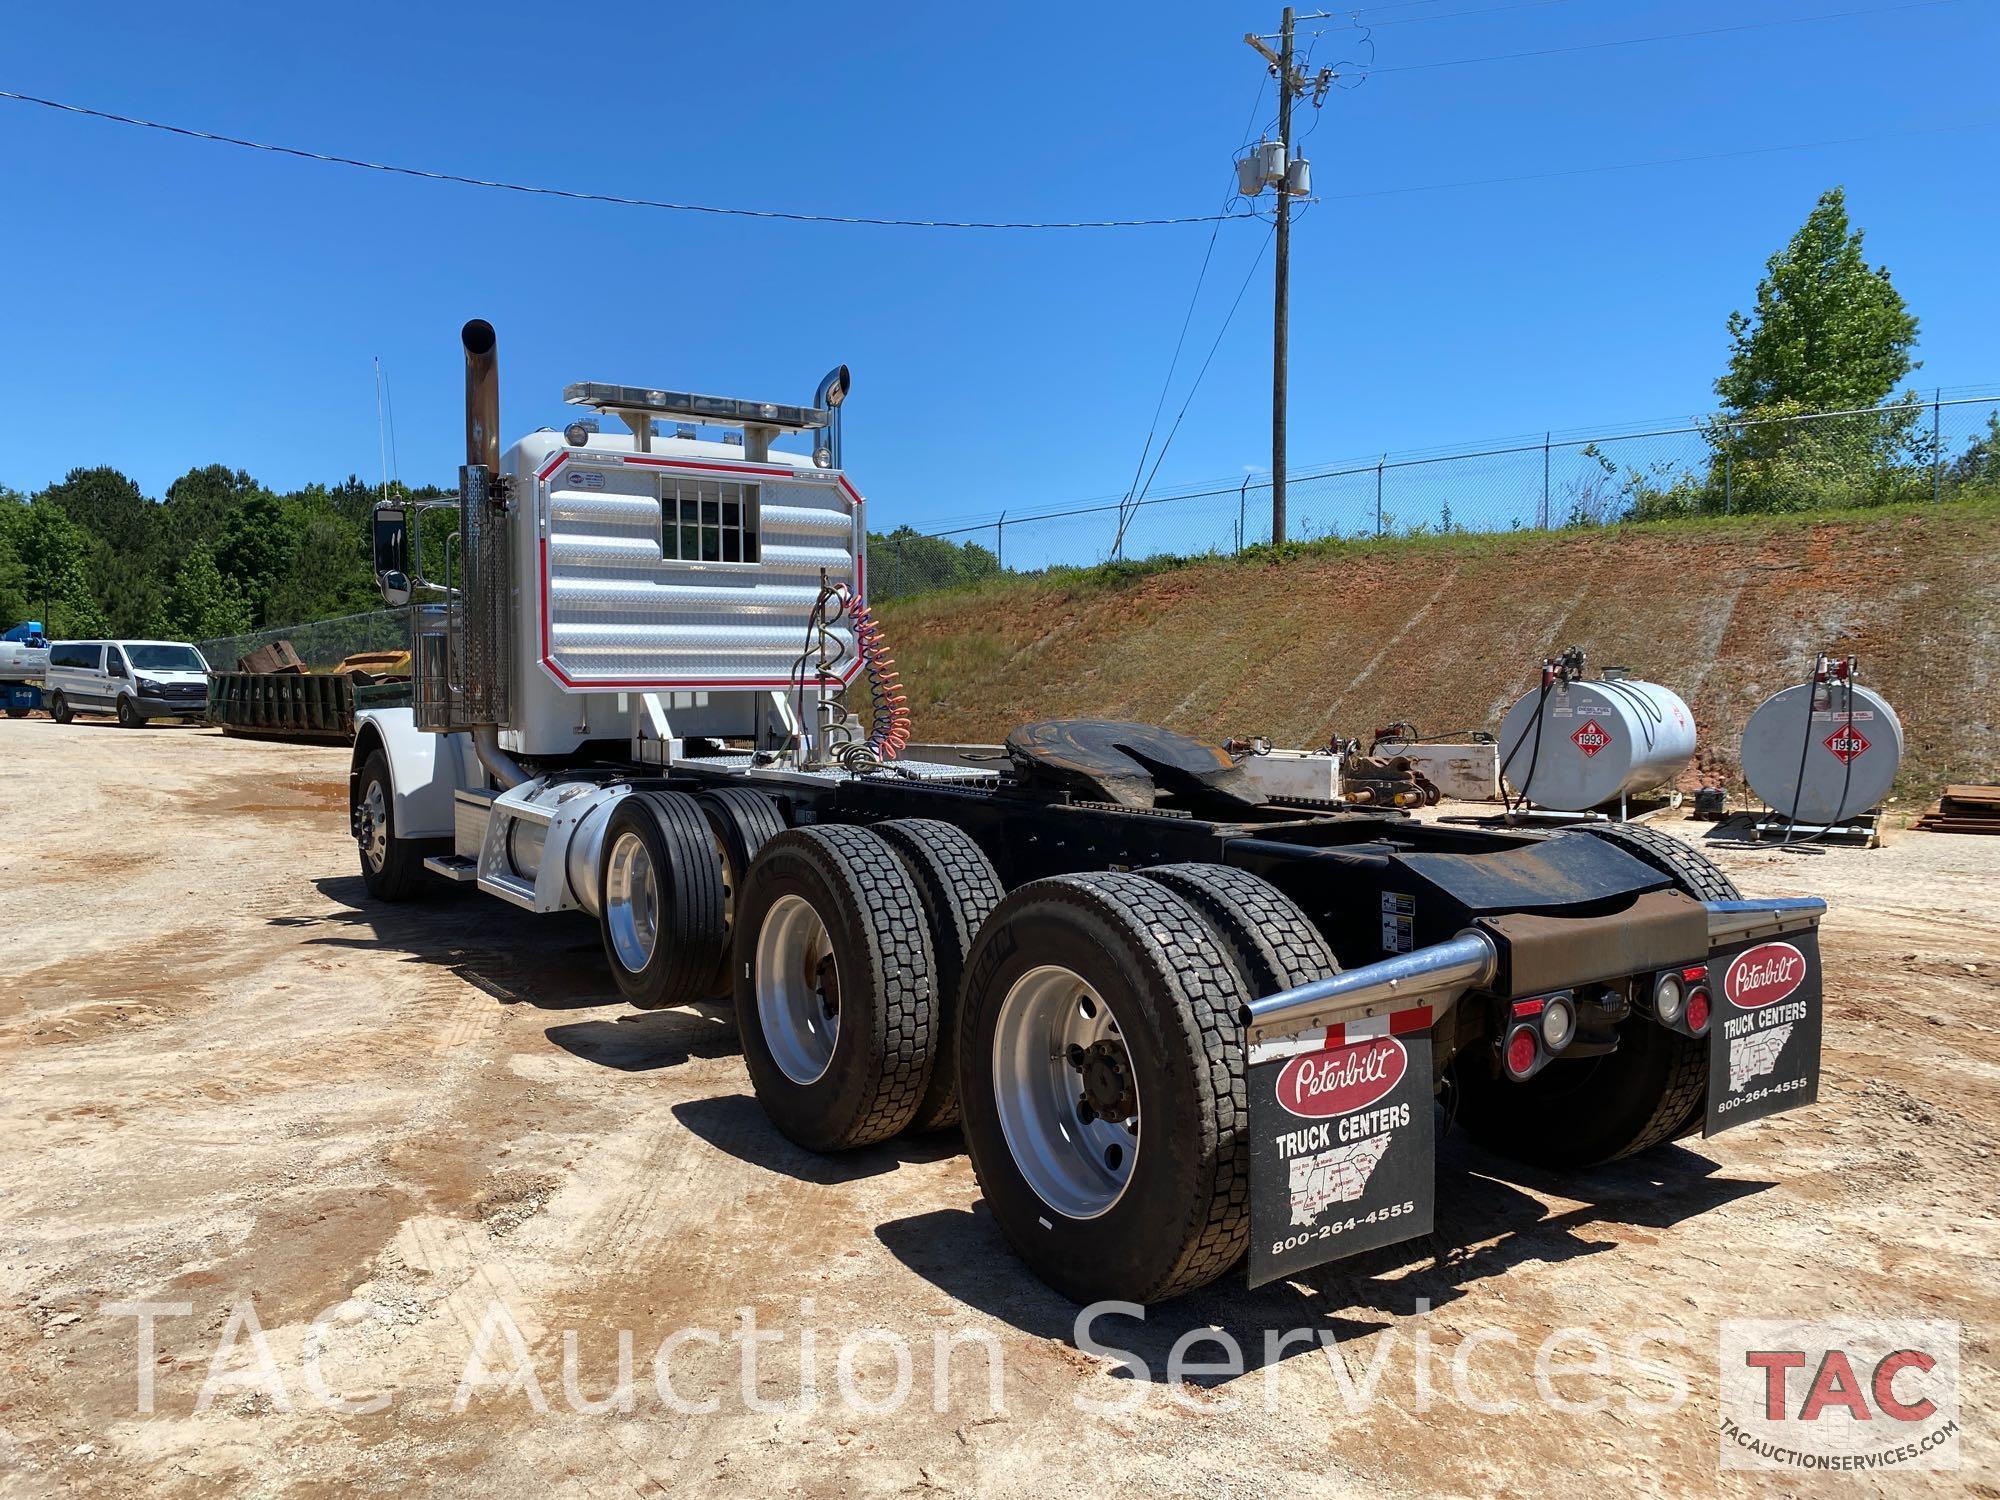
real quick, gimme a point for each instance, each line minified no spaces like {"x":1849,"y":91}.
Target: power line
{"x":1668,"y":36}
{"x":1657,"y":161}
{"x":619,"y":200}
{"x":1187,"y":318}
{"x":1227,"y":319}
{"x":1447,"y":15}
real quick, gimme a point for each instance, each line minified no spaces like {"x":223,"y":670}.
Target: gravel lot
{"x":232,"y":1082}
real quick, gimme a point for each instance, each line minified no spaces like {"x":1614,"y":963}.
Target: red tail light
{"x":1523,"y":1052}
{"x":1698,"y":1011}
{"x":1695,"y":973}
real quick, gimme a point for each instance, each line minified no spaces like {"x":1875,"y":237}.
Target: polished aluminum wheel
{"x":1067,"y":1097}
{"x":798,"y":989}
{"x":631,"y":902}
{"x":373,"y":832}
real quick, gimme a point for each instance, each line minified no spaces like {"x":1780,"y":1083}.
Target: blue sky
{"x":170,"y":304}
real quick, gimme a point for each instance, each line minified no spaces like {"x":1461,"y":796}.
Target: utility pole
{"x":1291,"y":85}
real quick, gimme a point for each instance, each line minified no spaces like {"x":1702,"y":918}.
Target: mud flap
{"x":1342,"y":1148}
{"x":1763,"y":1048}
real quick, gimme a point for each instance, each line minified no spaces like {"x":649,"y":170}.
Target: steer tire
{"x":959,"y":888}
{"x":688,"y":926}
{"x":742,"y":822}
{"x":1697,"y":875}
{"x":880,"y":969}
{"x":59,"y":708}
{"x":1273,"y":941}
{"x":1182,"y":1217}
{"x":400,"y":873}
{"x":129,"y":717}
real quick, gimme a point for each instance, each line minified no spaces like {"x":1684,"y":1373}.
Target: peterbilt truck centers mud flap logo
{"x":1341,"y":1142}
{"x":1342,"y":1080}
{"x":1763,"y":1043}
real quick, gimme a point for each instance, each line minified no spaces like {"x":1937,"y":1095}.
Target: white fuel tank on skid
{"x":1823,"y":751}
{"x":1577,"y":744}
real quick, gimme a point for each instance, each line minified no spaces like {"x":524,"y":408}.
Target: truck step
{"x":453,"y":866}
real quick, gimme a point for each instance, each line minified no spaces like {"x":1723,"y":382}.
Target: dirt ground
{"x":232,"y":1084}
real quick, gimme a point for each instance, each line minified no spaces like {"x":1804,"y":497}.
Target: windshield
{"x":165,"y":659}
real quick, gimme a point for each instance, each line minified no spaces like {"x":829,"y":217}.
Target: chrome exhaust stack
{"x":482,"y":641}
{"x":482,"y":394}
{"x":828,"y":398}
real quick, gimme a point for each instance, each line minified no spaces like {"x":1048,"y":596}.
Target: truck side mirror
{"x":392,"y":554}
{"x":392,"y":543}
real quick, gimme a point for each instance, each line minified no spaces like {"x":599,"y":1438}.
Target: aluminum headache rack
{"x":1439,"y":975}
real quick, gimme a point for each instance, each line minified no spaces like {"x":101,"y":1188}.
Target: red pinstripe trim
{"x":706,"y":468}
{"x":1401,"y":1023}
{"x":551,"y":466}
{"x":545,"y":605}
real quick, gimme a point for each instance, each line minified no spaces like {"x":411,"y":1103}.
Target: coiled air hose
{"x":889,"y":730}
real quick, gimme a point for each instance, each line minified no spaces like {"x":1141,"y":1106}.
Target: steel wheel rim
{"x":632,"y":902}
{"x":798,"y":989}
{"x":1078,"y":1161}
{"x":374,"y":826}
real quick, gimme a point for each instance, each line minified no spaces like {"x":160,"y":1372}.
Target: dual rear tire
{"x":1101,"y":1070}
{"x":836,"y":992}
{"x":1084,"y":1028}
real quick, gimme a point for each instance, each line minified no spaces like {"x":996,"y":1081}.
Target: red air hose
{"x":890,"y":731}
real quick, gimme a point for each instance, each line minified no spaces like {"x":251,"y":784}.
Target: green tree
{"x":202,"y":605}
{"x":199,"y":504}
{"x":1979,"y":464}
{"x":54,"y":556}
{"x":256,"y":553}
{"x":330,"y":572}
{"x":1828,"y":332}
{"x":15,"y":605}
{"x":122,"y":525}
{"x":109,"y":506}
{"x":908,"y":562}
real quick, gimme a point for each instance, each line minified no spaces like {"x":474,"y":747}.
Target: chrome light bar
{"x":719,"y":411}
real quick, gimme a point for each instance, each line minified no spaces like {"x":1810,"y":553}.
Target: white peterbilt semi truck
{"x":1184,"y":1025}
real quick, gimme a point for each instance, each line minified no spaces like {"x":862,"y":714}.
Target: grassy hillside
{"x":1447,"y":631}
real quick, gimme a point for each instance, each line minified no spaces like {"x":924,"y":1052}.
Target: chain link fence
{"x":1911,"y":451}
{"x":320,"y":643}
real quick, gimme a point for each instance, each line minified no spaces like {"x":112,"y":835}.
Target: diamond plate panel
{"x":620,"y":612}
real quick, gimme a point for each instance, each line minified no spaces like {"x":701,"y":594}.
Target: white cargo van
{"x":136,"y":680}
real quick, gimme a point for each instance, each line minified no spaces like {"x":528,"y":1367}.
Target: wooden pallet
{"x":1964,"y":809}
